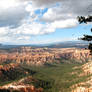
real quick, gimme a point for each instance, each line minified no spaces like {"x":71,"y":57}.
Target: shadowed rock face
{"x":6,"y":69}
{"x":21,"y":86}
{"x":23,"y":89}
{"x":11,"y":72}
{"x":39,"y":56}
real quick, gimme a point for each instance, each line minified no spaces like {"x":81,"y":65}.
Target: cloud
{"x":24,"y":32}
{"x":12,"y":13}
{"x":72,"y":6}
{"x":19,"y":21}
{"x":69,"y":23}
{"x":12,"y":17}
{"x":68,"y":9}
{"x":32,"y":29}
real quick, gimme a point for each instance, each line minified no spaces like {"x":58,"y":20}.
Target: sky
{"x":42,"y":21}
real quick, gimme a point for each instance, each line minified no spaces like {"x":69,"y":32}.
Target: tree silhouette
{"x":83,"y":19}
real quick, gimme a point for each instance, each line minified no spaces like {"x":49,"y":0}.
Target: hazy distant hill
{"x":66,"y":44}
{"x":69,"y":44}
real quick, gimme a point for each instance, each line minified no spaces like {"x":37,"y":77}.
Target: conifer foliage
{"x":82,"y":19}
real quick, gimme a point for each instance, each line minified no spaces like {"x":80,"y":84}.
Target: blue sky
{"x":42,"y":21}
{"x":69,"y":34}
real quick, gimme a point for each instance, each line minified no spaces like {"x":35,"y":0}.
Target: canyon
{"x":40,"y":56}
{"x":18,"y":61}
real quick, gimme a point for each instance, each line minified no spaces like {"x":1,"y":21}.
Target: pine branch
{"x":86,"y":38}
{"x":82,"y":19}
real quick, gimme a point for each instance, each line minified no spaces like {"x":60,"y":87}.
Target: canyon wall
{"x":40,"y":56}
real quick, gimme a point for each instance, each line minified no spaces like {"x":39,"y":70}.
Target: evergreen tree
{"x":83,"y":19}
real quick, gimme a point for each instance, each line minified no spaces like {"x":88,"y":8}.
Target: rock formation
{"x":39,"y":56}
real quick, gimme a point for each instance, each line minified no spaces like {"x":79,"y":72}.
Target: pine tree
{"x":83,"y":19}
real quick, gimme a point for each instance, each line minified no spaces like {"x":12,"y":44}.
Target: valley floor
{"x":54,"y":77}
